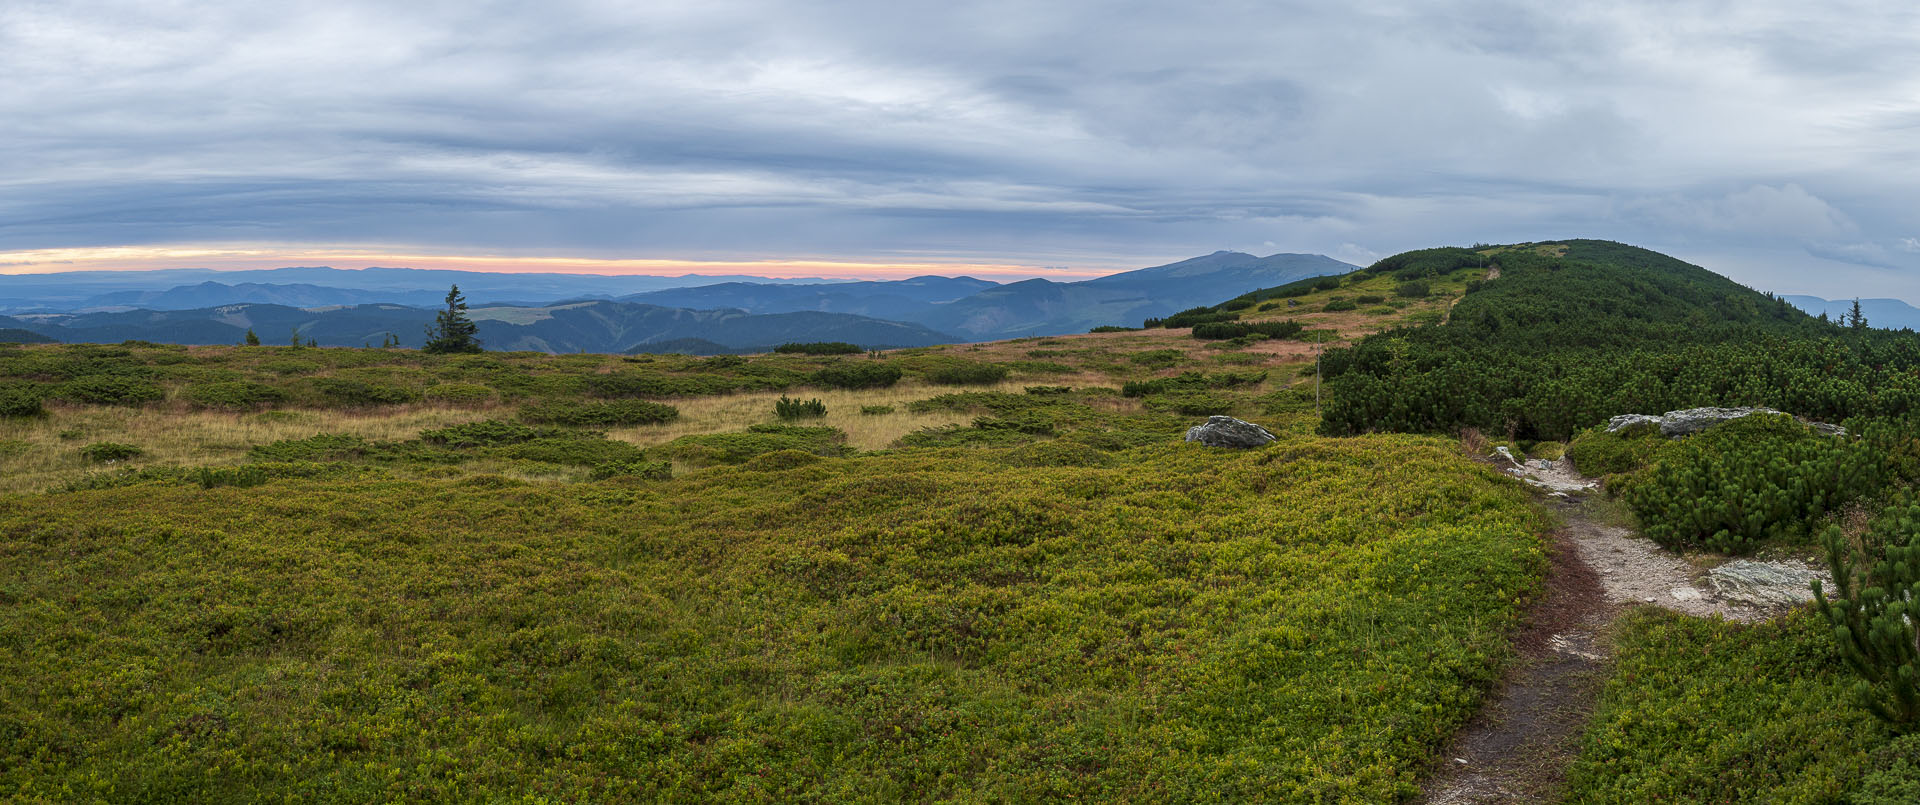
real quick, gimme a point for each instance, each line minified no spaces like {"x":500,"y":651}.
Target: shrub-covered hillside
{"x":1558,"y":337}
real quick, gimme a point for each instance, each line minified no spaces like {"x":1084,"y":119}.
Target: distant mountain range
{"x":982,"y":311}
{"x":1890,"y":314}
{"x":188,"y":288}
{"x":568,"y":313}
{"x":594,"y":326}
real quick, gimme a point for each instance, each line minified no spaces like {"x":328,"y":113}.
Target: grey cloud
{"x":999,"y":130}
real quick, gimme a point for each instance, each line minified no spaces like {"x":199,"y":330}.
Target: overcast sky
{"x":1777,"y":142}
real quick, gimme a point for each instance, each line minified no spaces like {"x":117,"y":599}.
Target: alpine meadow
{"x":994,"y":572}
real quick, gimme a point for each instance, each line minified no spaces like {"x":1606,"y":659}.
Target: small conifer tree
{"x":1854,"y":317}
{"x":252,"y":340}
{"x":452,"y":331}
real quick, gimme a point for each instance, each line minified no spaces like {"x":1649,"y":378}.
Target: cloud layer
{"x":1774,"y":141}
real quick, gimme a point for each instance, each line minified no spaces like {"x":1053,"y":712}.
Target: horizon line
{"x":233,"y":258}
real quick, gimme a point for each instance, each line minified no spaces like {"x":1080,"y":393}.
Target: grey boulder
{"x":1764,"y":585}
{"x":1225,"y":431}
{"x":1693,"y":420}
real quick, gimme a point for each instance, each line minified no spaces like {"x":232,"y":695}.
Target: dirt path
{"x":1517,"y":749}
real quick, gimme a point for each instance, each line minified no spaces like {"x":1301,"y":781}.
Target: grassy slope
{"x":1298,"y":623}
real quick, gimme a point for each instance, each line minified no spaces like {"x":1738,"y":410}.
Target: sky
{"x":1775,"y":142}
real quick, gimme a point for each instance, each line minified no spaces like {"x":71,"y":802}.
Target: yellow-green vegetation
{"x":1301,"y":623}
{"x":1701,"y":710}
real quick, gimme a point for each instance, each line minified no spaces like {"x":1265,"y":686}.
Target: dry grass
{"x":731,"y":412}
{"x":45,"y":452}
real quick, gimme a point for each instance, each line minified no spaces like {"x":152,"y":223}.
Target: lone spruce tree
{"x":1855,"y":318}
{"x":452,"y":331}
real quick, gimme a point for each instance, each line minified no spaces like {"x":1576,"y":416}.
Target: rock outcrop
{"x":1765,"y":585}
{"x":1225,"y":431}
{"x":1693,"y":420}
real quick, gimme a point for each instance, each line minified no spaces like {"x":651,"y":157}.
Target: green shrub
{"x":1893,"y":774}
{"x":1189,"y":403}
{"x":966,"y":374}
{"x":876,"y":410}
{"x":459,"y":394}
{"x":1369,"y":299}
{"x":1877,"y":589}
{"x":103,"y":452}
{"x":1158,"y":358}
{"x":786,"y":408}
{"x":819,"y":348}
{"x":1339,"y":305}
{"x":1049,"y":391}
{"x":321,"y":447}
{"x":349,"y":393}
{"x":781,"y":460}
{"x":1754,"y":478}
{"x":1227,"y":330}
{"x":1597,"y":453}
{"x":487,"y":433}
{"x":234,"y":396}
{"x":738,"y":447}
{"x":110,"y":390}
{"x":1703,"y":710}
{"x":644,"y":469}
{"x":1412,"y":290}
{"x":1057,"y":453}
{"x":599,"y":413}
{"x":1113,"y":328}
{"x":1550,"y":451}
{"x":654,"y":384}
{"x":857,"y":375}
{"x":20,"y":402}
{"x":574,"y":450}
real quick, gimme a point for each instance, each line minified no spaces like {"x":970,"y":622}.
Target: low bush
{"x":1756,"y":478}
{"x":1416,"y":289}
{"x":1703,"y":710}
{"x":233,"y":396}
{"x":857,"y":375}
{"x":1339,"y":305}
{"x":876,"y":410}
{"x":967,"y":374}
{"x":487,"y":433}
{"x":1227,"y":330}
{"x":575,"y":450}
{"x":1113,"y":328}
{"x":786,"y":408}
{"x":350,"y":393}
{"x":103,"y":452}
{"x":641,"y":468}
{"x":110,"y":390}
{"x":737,"y":447}
{"x":598,"y":413}
{"x":1049,"y":391}
{"x":1158,"y":358}
{"x":459,"y":394}
{"x":819,"y":348}
{"x":321,"y":447}
{"x":20,"y":402}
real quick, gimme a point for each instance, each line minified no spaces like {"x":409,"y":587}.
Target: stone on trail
{"x":1225,"y":431}
{"x":1764,"y":585}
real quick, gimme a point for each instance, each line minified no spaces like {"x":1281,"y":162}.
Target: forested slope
{"x":1562,"y":336}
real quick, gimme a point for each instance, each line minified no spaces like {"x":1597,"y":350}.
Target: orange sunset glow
{"x":241,"y":257}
